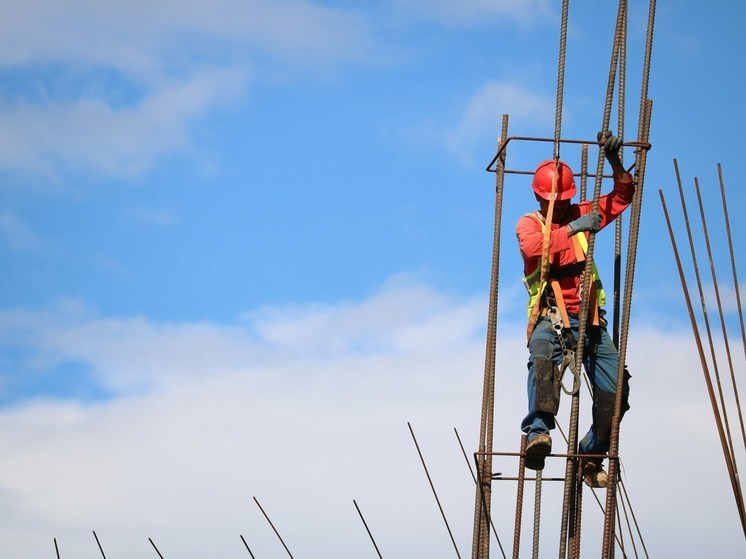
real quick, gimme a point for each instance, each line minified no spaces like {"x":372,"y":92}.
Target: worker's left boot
{"x":594,"y":474}
{"x":537,"y":449}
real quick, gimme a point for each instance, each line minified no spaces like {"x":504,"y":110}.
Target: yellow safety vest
{"x":535,"y":287}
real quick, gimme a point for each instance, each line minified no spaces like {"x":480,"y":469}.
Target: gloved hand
{"x":588,"y":222}
{"x":612,"y":145}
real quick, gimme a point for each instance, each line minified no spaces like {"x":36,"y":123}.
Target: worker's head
{"x":544,"y":175}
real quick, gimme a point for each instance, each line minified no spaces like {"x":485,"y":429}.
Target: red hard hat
{"x":542,"y":183}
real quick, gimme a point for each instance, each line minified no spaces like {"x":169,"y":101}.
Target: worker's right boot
{"x":537,"y":449}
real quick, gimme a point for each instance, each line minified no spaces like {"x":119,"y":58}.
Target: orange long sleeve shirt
{"x":561,"y":250}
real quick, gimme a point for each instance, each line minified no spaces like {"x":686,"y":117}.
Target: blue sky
{"x":245,"y":241}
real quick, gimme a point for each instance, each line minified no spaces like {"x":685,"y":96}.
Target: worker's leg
{"x":601,"y":361}
{"x":543,"y":384}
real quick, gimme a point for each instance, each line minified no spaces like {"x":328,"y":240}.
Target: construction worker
{"x":554,"y":307}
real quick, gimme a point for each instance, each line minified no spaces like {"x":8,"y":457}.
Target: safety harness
{"x":552,"y":304}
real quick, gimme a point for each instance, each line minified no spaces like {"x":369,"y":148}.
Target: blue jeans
{"x":601,"y":362}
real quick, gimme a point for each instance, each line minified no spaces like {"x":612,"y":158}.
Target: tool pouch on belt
{"x":547,"y":378}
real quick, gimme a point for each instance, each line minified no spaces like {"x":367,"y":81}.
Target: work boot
{"x":537,"y":449}
{"x":594,"y":474}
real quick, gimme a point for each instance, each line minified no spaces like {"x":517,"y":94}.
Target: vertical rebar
{"x":519,"y":499}
{"x":583,"y":171}
{"x":476,"y":482}
{"x":725,"y":336}
{"x":705,"y":314}
{"x":567,"y":531}
{"x":481,"y":540}
{"x":732,"y":257}
{"x":705,"y":369}
{"x":537,"y":515}
{"x":560,"y":78}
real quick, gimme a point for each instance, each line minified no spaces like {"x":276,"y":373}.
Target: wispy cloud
{"x":478,"y":121}
{"x":18,"y":235}
{"x":92,"y":134}
{"x":111,"y":87}
{"x":306,"y":408}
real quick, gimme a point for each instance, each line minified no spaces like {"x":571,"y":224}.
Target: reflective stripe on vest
{"x":535,"y":287}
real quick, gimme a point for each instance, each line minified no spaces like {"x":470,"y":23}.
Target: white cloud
{"x":110,"y":87}
{"x":306,"y":409}
{"x":16,"y":232}
{"x":478,"y":122}
{"x":92,"y":134}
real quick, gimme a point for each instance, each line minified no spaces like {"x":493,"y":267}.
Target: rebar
{"x":537,"y":515}
{"x":705,"y":369}
{"x":732,"y":257}
{"x":725,"y":337}
{"x":471,"y":471}
{"x":273,"y":528}
{"x":56,"y":549}
{"x":247,"y":546}
{"x":567,"y":531}
{"x":560,"y":78}
{"x":101,"y":549}
{"x":158,"y":551}
{"x":370,"y":535}
{"x":483,"y":498}
{"x":705,"y":314}
{"x":435,"y":493}
{"x":519,"y":499}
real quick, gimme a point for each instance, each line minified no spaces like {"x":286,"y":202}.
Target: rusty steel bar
{"x":471,"y":471}
{"x":56,"y":549}
{"x":620,"y":499}
{"x":273,"y":528}
{"x":519,"y":498}
{"x":537,"y":514}
{"x":583,"y":171}
{"x":567,"y":533}
{"x":432,"y":487}
{"x":247,"y":546}
{"x":634,"y":518}
{"x":483,"y":497}
{"x":640,"y":145}
{"x":706,"y":316}
{"x":560,"y":78}
{"x":725,"y":337}
{"x":573,"y":548}
{"x":101,"y":549}
{"x":370,"y":535}
{"x":705,"y":369}
{"x":158,"y":551}
{"x":620,"y":219}
{"x":634,"y":228}
{"x":732,"y":257}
